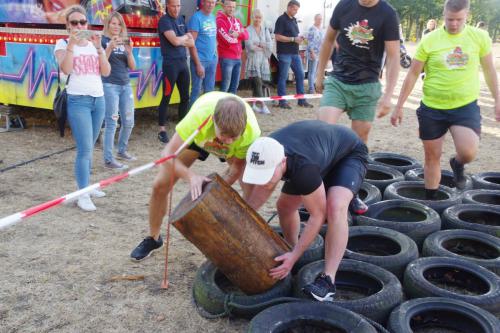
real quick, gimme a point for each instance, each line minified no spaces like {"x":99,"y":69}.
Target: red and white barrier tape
{"x":15,"y":218}
{"x":282,"y":98}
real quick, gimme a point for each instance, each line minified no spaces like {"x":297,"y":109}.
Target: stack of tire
{"x":441,"y":256}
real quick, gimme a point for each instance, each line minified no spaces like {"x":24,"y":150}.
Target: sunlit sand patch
{"x":491,"y":131}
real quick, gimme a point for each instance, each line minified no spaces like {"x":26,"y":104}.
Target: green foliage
{"x":414,"y":15}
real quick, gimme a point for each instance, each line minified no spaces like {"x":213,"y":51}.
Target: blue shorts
{"x":350,"y":171}
{"x":434,"y":123}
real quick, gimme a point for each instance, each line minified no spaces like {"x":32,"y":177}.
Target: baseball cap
{"x":262,"y":158}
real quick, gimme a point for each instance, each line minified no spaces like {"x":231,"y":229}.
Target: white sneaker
{"x":264,"y":109}
{"x":97,"y":193}
{"x":126,"y":156}
{"x":256,"y":108}
{"x":85,"y":203}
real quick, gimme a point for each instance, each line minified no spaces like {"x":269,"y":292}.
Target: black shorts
{"x":203,"y":154}
{"x":350,"y":171}
{"x":434,"y":123}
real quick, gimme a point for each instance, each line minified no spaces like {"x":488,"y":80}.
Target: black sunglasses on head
{"x":75,"y":22}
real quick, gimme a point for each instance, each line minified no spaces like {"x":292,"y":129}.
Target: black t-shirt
{"x":177,"y":25}
{"x":119,"y":64}
{"x":312,"y":148}
{"x":362,"y":32}
{"x":288,"y":27}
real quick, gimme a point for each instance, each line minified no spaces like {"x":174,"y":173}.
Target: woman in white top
{"x":82,"y":58}
{"x":258,"y":47}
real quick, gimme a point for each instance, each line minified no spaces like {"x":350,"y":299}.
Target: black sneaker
{"x":163,"y":137}
{"x":458,"y":173}
{"x":357,"y":206}
{"x":285,"y":106}
{"x":305,"y":104}
{"x":322,"y":289}
{"x":145,"y":248}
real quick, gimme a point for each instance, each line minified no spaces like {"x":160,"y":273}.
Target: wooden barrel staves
{"x":230,"y":234}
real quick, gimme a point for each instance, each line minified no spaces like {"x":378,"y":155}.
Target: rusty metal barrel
{"x":230,"y":234}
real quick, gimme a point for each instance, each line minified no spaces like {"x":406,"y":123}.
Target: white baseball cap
{"x":263,"y":157}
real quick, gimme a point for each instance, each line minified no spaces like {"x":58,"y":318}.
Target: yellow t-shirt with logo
{"x":452,"y":66}
{"x":204,"y":107}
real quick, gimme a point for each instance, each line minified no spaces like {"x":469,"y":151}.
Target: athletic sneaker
{"x":357,"y":206}
{"x":126,"y":156}
{"x":458,"y":173}
{"x":85,"y":203}
{"x":265,"y":109}
{"x":305,"y":104}
{"x":163,"y":137}
{"x":256,"y":108}
{"x":115,"y":165}
{"x":285,"y":106}
{"x":322,"y":289}
{"x":146,"y":248}
{"x":97,"y":194}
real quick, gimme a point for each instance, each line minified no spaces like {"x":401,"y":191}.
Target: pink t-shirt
{"x":86,"y":74}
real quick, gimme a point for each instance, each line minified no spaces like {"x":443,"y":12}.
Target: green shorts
{"x":358,"y":100}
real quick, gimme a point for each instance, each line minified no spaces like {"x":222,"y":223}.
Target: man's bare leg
{"x":288,"y":214}
{"x":329,"y":114}
{"x":362,"y":129}
{"x":466,"y":143}
{"x":432,"y":167}
{"x":161,"y":188}
{"x":338,"y":199}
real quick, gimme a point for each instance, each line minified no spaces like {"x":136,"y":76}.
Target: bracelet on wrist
{"x":293,"y":39}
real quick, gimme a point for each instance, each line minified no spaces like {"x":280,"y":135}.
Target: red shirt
{"x":227,"y":46}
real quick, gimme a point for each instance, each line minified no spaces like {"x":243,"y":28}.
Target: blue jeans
{"x":208,"y":82}
{"x":230,"y":70}
{"x":119,"y":100}
{"x":285,"y":61}
{"x":85,"y":116}
{"x":312,"y":67}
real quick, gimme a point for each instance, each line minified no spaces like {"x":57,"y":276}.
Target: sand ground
{"x":56,"y":267}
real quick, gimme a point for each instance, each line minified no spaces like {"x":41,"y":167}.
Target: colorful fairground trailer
{"x":29,"y":30}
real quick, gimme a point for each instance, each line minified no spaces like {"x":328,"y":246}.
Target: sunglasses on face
{"x":76,"y":22}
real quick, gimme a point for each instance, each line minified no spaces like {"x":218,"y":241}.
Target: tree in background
{"x":414,"y":15}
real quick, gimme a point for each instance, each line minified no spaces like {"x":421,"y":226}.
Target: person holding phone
{"x":288,"y":39}
{"x":84,"y":60}
{"x":118,"y":93}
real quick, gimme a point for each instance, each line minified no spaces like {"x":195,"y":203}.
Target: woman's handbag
{"x":60,"y":104}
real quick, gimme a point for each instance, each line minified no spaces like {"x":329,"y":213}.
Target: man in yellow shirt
{"x":451,"y":56}
{"x":232,"y":128}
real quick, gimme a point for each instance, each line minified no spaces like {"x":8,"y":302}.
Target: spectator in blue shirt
{"x":203,"y":28}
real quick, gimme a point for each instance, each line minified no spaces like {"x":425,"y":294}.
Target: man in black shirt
{"x":323,"y":166}
{"x":174,"y":39}
{"x":363,"y":29}
{"x":286,"y":32}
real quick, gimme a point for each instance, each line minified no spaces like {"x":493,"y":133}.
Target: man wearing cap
{"x":323,"y":166}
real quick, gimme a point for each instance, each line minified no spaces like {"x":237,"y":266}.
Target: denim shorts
{"x":434,"y":123}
